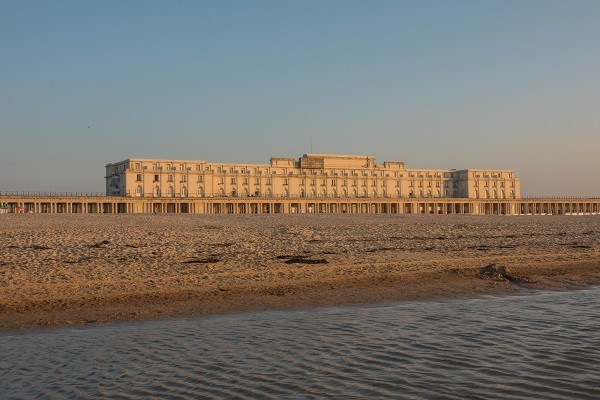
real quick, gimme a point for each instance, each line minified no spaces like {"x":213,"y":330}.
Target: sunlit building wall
{"x":313,"y":175}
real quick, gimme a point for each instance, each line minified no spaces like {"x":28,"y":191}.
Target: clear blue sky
{"x":436,"y":84}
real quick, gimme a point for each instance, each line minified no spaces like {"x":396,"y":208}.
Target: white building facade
{"x":312,"y":176}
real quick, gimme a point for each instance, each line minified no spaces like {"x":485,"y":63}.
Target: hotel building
{"x":311,"y":176}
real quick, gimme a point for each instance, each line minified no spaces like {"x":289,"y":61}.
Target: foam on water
{"x":542,"y":346}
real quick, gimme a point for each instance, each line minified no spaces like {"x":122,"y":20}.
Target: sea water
{"x":541,"y":346}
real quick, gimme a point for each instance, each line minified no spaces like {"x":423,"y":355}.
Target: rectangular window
{"x":139,"y":177}
{"x":155,"y":178}
{"x":184,"y":178}
{"x":200,"y":178}
{"x":232,"y":181}
{"x":257,"y":181}
{"x":170,"y":178}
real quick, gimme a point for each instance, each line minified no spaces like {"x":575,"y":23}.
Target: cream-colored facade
{"x":311,"y":176}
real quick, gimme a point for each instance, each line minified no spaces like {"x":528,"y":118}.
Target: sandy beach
{"x":81,"y":269}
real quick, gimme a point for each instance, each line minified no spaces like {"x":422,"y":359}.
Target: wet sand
{"x":81,"y":269}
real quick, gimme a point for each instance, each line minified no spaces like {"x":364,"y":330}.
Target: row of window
{"x":183,"y":178}
{"x":492,"y":175}
{"x":494,"y":184}
{"x":494,"y":194}
{"x":257,"y":170}
{"x":245,"y":193}
{"x":245,"y":181}
{"x":332,"y":172}
{"x":221,"y":192}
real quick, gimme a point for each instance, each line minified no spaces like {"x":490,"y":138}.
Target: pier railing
{"x":538,"y":198}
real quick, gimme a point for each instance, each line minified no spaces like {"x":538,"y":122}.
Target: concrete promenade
{"x":56,"y":204}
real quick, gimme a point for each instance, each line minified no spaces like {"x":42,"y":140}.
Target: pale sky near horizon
{"x":436,"y":84}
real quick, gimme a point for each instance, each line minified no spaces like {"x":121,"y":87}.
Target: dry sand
{"x":76,"y":269}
